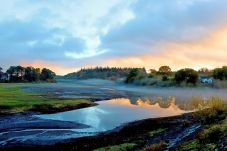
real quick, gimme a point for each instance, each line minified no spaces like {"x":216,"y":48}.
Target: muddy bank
{"x":25,"y":129}
{"x":48,"y":109}
{"x":134,"y":132}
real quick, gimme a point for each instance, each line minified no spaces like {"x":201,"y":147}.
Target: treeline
{"x":166,"y":76}
{"x":26,"y":74}
{"x":111,"y":73}
{"x":220,"y":73}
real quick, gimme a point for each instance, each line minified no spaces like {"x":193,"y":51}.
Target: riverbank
{"x":137,"y":135}
{"x":203,"y":130}
{"x":13,"y":100}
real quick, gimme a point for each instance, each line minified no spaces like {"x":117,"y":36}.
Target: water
{"x":110,"y":114}
{"x":107,"y":115}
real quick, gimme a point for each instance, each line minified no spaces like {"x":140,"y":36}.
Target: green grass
{"x":121,"y":147}
{"x":161,"y":146}
{"x":156,"y":132}
{"x":214,"y":130}
{"x":13,"y":99}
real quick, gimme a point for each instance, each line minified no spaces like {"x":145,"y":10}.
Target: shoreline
{"x":14,"y":99}
{"x":118,"y":134}
{"x":175,"y":130}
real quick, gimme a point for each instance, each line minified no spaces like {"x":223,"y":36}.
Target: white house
{"x":205,"y":79}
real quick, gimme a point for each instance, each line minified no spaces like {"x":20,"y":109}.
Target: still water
{"x":107,"y":115}
{"x":110,"y":114}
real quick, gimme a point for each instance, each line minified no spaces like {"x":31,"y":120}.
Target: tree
{"x":136,"y":74}
{"x":165,"y":70}
{"x":100,"y":73}
{"x":132,"y":75}
{"x":0,"y":73}
{"x":186,"y":75}
{"x":16,"y":73}
{"x":47,"y":75}
{"x":37,"y":74}
{"x":32,"y":74}
{"x":204,"y":70}
{"x":153,"y":71}
{"x":180,"y":76}
{"x":220,"y":73}
{"x":192,"y":76}
{"x":165,"y":78}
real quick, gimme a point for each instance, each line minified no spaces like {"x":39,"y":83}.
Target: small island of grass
{"x":13,"y":99}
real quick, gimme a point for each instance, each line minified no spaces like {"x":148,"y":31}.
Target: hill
{"x":100,"y":73}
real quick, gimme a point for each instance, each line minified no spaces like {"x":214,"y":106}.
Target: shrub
{"x":186,"y":75}
{"x":211,"y":135}
{"x":121,"y":147}
{"x":136,"y":74}
{"x":165,"y":78}
{"x":190,"y":145}
{"x":220,"y":73}
{"x":156,"y":147}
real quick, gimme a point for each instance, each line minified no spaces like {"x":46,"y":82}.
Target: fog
{"x":105,"y":89}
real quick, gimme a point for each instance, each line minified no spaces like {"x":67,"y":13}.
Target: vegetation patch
{"x":13,"y":99}
{"x":121,"y":147}
{"x":212,"y":136}
{"x":156,"y":132}
{"x":156,"y":147}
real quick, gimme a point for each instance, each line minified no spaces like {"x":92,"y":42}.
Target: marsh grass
{"x":161,"y":146}
{"x":209,"y":139}
{"x":197,"y":103}
{"x":121,"y":147}
{"x":156,"y":132}
{"x":13,"y":99}
{"x":213,"y":119}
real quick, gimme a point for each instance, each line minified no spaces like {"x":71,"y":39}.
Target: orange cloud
{"x":210,"y":52}
{"x":58,"y":69}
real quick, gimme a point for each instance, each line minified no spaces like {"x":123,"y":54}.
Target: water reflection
{"x":112,"y":113}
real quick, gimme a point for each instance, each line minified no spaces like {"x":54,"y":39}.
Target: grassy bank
{"x":214,"y":132}
{"x":13,"y":99}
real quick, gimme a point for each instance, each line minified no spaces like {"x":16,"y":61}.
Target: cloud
{"x":30,"y":40}
{"x":87,"y":19}
{"x":158,"y":22}
{"x":65,"y":31}
{"x":208,"y":52}
{"x":76,"y":33}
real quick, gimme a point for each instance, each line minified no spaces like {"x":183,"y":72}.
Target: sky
{"x":66,"y":35}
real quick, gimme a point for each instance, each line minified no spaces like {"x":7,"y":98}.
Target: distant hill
{"x":100,"y":73}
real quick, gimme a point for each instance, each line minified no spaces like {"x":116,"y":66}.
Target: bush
{"x":211,"y":135}
{"x":211,"y":116}
{"x":136,"y":74}
{"x":190,"y":145}
{"x":156,"y":147}
{"x":121,"y":147}
{"x":194,"y":145}
{"x":220,"y":73}
{"x":186,"y":75}
{"x":47,"y":74}
{"x":165,"y":78}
